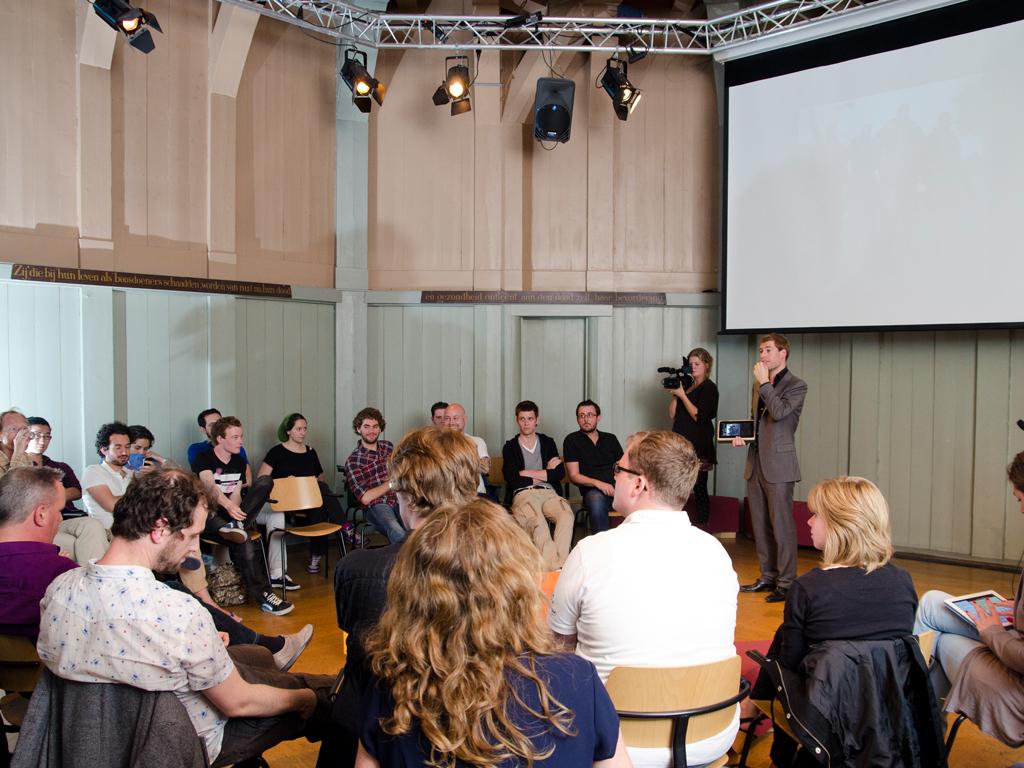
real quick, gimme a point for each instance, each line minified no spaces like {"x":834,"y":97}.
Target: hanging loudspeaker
{"x":552,"y":109}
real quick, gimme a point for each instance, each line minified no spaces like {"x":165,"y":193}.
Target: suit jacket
{"x":512,"y":463}
{"x":776,"y":446}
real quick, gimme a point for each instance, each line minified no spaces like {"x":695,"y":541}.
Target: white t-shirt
{"x":118,"y":624}
{"x":654,"y":592}
{"x":103,"y":474}
{"x":481,"y":451}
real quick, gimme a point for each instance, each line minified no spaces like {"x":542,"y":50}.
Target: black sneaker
{"x":271,"y":603}
{"x":234,"y":532}
{"x":285,"y":582}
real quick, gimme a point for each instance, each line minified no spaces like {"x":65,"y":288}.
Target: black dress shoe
{"x":761,"y":585}
{"x":778,"y":595}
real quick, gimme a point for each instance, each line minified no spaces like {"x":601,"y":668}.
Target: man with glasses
{"x":13,"y":440}
{"x":589,"y":457}
{"x":656,"y":591}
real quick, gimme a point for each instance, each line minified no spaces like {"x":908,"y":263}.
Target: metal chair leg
{"x":953,"y":730}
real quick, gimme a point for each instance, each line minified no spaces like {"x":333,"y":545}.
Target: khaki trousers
{"x":532,"y":508}
{"x":83,"y":538}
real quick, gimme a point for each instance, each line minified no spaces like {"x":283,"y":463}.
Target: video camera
{"x":681,"y":376}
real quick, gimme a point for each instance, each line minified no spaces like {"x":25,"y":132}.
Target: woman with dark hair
{"x":981,"y":666}
{"x":468,"y":672}
{"x":293,"y":458}
{"x":693,"y":411}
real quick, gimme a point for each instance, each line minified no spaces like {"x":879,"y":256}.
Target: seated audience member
{"x":142,"y":445}
{"x":590,"y":457}
{"x":533,"y":487}
{"x":455,"y":418}
{"x":656,"y":591}
{"x":293,"y":458}
{"x":366,"y":472}
{"x":105,"y":483}
{"x":437,"y":413}
{"x":856,"y":594}
{"x":28,"y":563}
{"x":13,"y":440}
{"x":83,"y":538}
{"x":428,"y":469}
{"x":980,"y":669}
{"x":468,"y":673}
{"x":228,"y":479}
{"x":91,"y":615}
{"x":206,"y":420}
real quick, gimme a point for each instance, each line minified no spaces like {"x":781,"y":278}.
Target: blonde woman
{"x":855,"y":594}
{"x":468,"y":672}
{"x":693,"y":411}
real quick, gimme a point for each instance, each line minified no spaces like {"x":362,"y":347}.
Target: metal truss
{"x":350,"y":24}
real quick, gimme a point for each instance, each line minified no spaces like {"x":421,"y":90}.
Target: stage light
{"x":362,"y":84}
{"x":133,"y":23}
{"x":615,"y":81}
{"x":455,"y":86}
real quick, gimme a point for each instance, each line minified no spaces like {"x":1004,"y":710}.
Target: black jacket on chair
{"x":512,"y":464}
{"x":862,"y":704}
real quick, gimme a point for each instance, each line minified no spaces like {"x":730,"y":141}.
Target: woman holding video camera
{"x":981,"y":665}
{"x":693,"y":411}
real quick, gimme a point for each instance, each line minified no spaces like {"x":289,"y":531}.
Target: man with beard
{"x":104,"y":483}
{"x":366,"y":472}
{"x":113,"y":622}
{"x":590,"y":457}
{"x":455,"y":418}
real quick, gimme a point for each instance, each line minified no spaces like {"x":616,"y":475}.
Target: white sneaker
{"x":234,"y":532}
{"x":293,"y":647}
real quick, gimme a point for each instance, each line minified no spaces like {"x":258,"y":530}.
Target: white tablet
{"x":966,"y":606}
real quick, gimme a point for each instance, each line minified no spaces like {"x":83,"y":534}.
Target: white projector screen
{"x":880,"y":191}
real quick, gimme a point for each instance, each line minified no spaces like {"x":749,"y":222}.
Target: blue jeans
{"x":954,"y":639}
{"x":385,"y":519}
{"x":598,"y":505}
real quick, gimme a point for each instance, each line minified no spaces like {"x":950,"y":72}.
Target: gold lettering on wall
{"x":615,"y":298}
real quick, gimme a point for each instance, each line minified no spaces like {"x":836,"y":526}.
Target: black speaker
{"x":552,"y":109}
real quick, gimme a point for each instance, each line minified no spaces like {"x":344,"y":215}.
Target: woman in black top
{"x":293,"y":458}
{"x":693,"y":411}
{"x":856,"y":593}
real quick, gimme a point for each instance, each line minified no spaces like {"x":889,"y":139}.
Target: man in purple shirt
{"x":31,"y":500}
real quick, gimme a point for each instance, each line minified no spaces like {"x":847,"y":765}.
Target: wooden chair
{"x":675,"y":706}
{"x":19,"y":671}
{"x":295,"y":496}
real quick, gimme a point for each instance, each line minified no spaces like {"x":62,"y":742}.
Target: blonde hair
{"x":705,"y":357}
{"x":434,"y":467}
{"x":463,"y":611}
{"x":856,"y":518}
{"x":669,"y":463}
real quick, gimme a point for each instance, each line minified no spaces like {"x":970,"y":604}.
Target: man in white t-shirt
{"x":104,"y":483}
{"x":655,"y":591}
{"x":455,"y":418}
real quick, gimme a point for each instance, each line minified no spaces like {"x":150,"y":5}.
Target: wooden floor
{"x":757,"y":620}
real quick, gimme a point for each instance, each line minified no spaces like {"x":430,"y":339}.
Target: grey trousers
{"x":771,"y":517}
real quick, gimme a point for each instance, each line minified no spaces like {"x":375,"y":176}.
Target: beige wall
{"x":139,"y":167}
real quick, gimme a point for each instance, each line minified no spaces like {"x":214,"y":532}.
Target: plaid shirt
{"x":366,"y":469}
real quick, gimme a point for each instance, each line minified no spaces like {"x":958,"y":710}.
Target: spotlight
{"x":362,"y":84}
{"x":455,"y":87}
{"x":523,"y":20}
{"x":625,"y":96}
{"x":133,"y":23}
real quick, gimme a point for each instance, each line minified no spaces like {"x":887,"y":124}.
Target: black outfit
{"x":596,"y":460}
{"x":839,"y":604}
{"x":360,"y":591}
{"x":701,"y":433}
{"x":227,"y":476}
{"x":512,"y":464}
{"x":286,"y":463}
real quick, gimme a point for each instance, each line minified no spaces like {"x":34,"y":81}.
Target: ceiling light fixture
{"x":615,"y":81}
{"x":455,"y":86}
{"x":359,"y":80}
{"x":133,"y":23}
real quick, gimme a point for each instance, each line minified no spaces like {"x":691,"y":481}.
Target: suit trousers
{"x":771,"y":517}
{"x":532,"y":508}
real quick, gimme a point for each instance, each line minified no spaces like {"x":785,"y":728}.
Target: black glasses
{"x":619,"y":468}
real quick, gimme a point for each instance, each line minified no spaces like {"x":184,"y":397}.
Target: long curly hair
{"x":463,"y":621}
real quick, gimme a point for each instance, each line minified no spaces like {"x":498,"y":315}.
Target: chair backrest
{"x":294,"y":494}
{"x":666,"y":689}
{"x":495,"y":476}
{"x":19,"y":664}
{"x":927,"y":642}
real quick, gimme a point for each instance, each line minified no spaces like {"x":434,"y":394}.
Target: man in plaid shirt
{"x":366,"y":471}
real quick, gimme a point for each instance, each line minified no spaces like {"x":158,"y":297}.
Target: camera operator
{"x":693,"y":411}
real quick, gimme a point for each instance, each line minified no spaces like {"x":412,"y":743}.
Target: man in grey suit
{"x":772,"y":466}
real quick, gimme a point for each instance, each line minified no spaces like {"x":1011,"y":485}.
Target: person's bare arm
{"x":228,"y":503}
{"x":565,"y":643}
{"x":373,"y":494}
{"x":619,"y":760}
{"x":485,"y":465}
{"x":102,"y":496}
{"x":72,"y":494}
{"x":237,"y":698}
{"x":264,"y":470}
{"x":365,"y":760}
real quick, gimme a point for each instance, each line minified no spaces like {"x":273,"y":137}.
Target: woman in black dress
{"x":693,"y":411}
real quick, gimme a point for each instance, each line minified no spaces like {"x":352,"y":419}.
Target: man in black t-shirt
{"x":590,"y":458}
{"x":227,"y":474}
